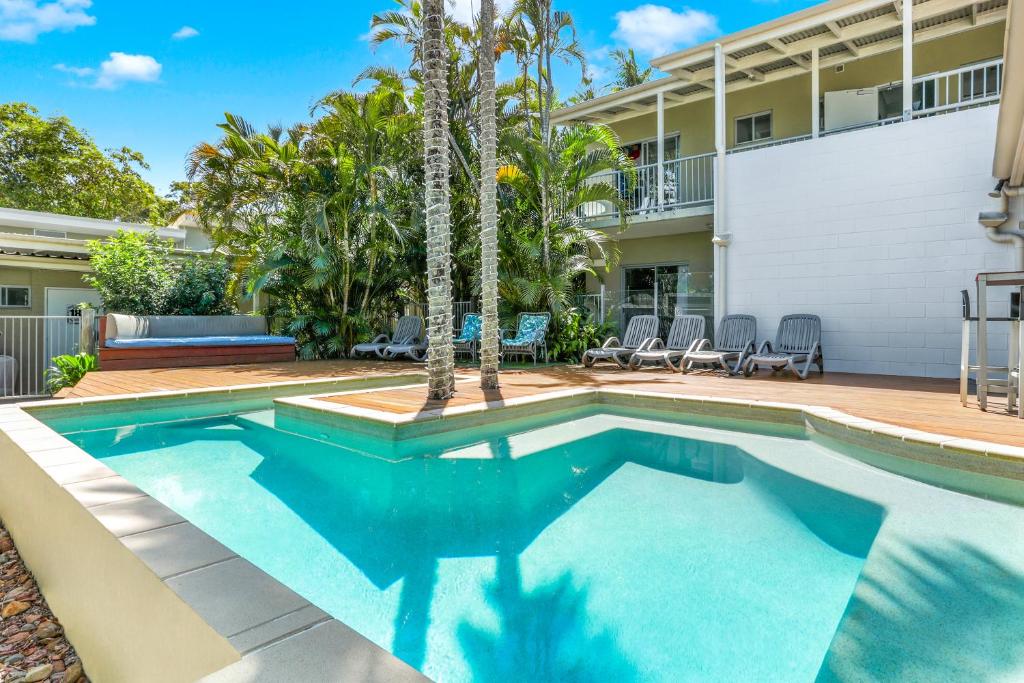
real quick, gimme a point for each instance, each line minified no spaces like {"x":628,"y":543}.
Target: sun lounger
{"x":417,"y":351}
{"x":686,"y":330}
{"x":797,"y":342}
{"x":407,"y":331}
{"x":640,"y":330}
{"x":734,"y":340}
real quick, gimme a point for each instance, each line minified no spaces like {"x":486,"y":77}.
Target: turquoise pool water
{"x":602,"y":547}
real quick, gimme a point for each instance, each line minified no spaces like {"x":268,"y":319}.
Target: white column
{"x":720,"y":239}
{"x":815,"y":93}
{"x":661,"y":150}
{"x":908,"y":59}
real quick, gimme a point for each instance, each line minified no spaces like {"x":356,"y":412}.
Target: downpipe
{"x":993,"y":222}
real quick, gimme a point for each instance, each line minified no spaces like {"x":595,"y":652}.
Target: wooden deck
{"x":931,"y":405}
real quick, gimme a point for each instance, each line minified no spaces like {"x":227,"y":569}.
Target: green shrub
{"x":200,"y":287}
{"x":67,"y":370}
{"x":573,"y":333}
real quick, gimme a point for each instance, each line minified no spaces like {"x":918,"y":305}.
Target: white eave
{"x":39,"y":220}
{"x":841,"y":30}
{"x":1008,"y":162}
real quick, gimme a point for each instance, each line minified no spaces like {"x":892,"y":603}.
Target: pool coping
{"x":287,"y":631}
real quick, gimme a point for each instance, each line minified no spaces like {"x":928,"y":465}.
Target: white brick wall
{"x":876,"y":231}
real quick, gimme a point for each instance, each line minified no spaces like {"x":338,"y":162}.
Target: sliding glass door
{"x":662,"y":290}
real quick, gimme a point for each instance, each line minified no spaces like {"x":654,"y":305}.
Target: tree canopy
{"x":47,"y":164}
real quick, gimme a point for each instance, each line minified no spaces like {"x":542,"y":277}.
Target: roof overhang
{"x":1008,"y":161}
{"x":841,"y":30}
{"x":40,"y":220}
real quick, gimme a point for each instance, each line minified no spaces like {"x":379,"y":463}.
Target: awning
{"x":1008,"y":162}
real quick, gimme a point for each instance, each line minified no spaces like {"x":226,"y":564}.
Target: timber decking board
{"x":931,"y":405}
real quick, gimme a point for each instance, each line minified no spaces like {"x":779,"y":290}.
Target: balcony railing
{"x":688,"y":182}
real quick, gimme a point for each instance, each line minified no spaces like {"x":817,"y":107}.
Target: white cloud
{"x":121,"y":68}
{"x":655,"y":30}
{"x":465,"y":10}
{"x":80,"y":71}
{"x":24,"y":20}
{"x":184,"y":33}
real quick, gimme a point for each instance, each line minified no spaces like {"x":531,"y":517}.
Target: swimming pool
{"x":595,"y":544}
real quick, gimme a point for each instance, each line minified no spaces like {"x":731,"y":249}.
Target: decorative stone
{"x":74,"y":672}
{"x":13,"y":608}
{"x":14,"y":659}
{"x":17,"y":638}
{"x":47,"y":629}
{"x":39,"y":673}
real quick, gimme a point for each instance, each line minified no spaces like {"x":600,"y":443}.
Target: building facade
{"x":785,"y":169}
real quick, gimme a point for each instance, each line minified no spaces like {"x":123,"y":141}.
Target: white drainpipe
{"x":993,"y":222}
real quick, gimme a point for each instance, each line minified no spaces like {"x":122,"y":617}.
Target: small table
{"x":1016,"y":350}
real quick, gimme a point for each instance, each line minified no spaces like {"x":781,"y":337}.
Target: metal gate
{"x":27,"y":345}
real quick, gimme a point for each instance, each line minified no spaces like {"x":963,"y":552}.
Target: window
{"x":753,"y":128}
{"x":646,"y":152}
{"x":13,"y":296}
{"x":38,"y":232}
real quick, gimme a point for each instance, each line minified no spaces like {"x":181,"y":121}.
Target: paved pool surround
{"x":118,"y":567}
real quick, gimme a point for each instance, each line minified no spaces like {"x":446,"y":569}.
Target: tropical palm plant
{"x":488,"y":201}
{"x":440,"y":354}
{"x":627,"y":71}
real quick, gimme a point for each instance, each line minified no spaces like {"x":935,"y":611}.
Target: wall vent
{"x":840,"y":68}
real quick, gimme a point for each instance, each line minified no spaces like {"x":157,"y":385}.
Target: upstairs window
{"x":753,"y":128}
{"x":13,"y":296}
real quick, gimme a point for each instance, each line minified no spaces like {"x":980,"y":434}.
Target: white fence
{"x":459,"y":310}
{"x":687,"y":181}
{"x":28,"y":344}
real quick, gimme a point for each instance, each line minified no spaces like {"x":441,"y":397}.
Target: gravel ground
{"x":33,"y":646}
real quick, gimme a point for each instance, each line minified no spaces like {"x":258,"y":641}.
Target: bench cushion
{"x":121,"y":326}
{"x":233,"y":340}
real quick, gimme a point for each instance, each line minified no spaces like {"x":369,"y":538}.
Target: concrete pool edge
{"x":119,"y":567}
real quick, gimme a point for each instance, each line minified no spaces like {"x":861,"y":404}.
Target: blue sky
{"x":158,"y":76}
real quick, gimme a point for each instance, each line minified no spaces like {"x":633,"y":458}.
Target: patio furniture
{"x":132,"y":342}
{"x":530,"y":338}
{"x":798,"y":340}
{"x":734,"y":340}
{"x":407,"y":331}
{"x":686,"y":330}
{"x":416,"y":350}
{"x":1016,"y":346}
{"x":966,"y":368}
{"x":640,"y":330}
{"x":468,"y":340}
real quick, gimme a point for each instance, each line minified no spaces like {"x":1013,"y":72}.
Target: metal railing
{"x":459,"y":309}
{"x":968,"y":86}
{"x":689,"y":181}
{"x":28,"y":344}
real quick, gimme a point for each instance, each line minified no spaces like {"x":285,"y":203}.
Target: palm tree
{"x":440,"y":353}
{"x":488,"y":201}
{"x":627,"y":72}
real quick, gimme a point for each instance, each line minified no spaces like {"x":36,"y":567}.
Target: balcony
{"x":688,"y":182}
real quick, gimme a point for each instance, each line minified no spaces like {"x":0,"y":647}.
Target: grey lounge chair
{"x":797,"y":341}
{"x":734,"y":340}
{"x":530,"y":338}
{"x":416,"y":350}
{"x":640,"y":330}
{"x":407,"y":331}
{"x":685,"y":331}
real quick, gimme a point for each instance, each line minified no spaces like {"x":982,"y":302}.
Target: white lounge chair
{"x":407,"y":331}
{"x":686,"y":330}
{"x":733,"y":341}
{"x":797,"y":341}
{"x":415,"y":350}
{"x":640,"y":330}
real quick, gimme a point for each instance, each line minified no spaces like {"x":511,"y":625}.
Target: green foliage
{"x":132,"y":271}
{"x":67,"y":370}
{"x":200,"y":287}
{"x":137,"y":273}
{"x":49,"y":165}
{"x":573,"y":333}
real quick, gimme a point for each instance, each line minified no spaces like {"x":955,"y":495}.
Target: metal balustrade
{"x":28,"y":344}
{"x":689,"y":181}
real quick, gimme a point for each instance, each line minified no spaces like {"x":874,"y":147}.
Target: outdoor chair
{"x":966,"y":368}
{"x":530,"y":338}
{"x":686,"y":331}
{"x":733,"y":341}
{"x":797,"y":342}
{"x":407,"y":331}
{"x":640,"y":330}
{"x":468,"y":340}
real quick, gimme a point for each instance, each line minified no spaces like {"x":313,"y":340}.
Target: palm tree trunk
{"x":488,"y":201}
{"x":440,"y":354}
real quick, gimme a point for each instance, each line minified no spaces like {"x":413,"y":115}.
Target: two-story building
{"x":786,"y":169}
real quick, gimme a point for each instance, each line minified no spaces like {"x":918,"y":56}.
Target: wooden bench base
{"x":192,"y":356}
